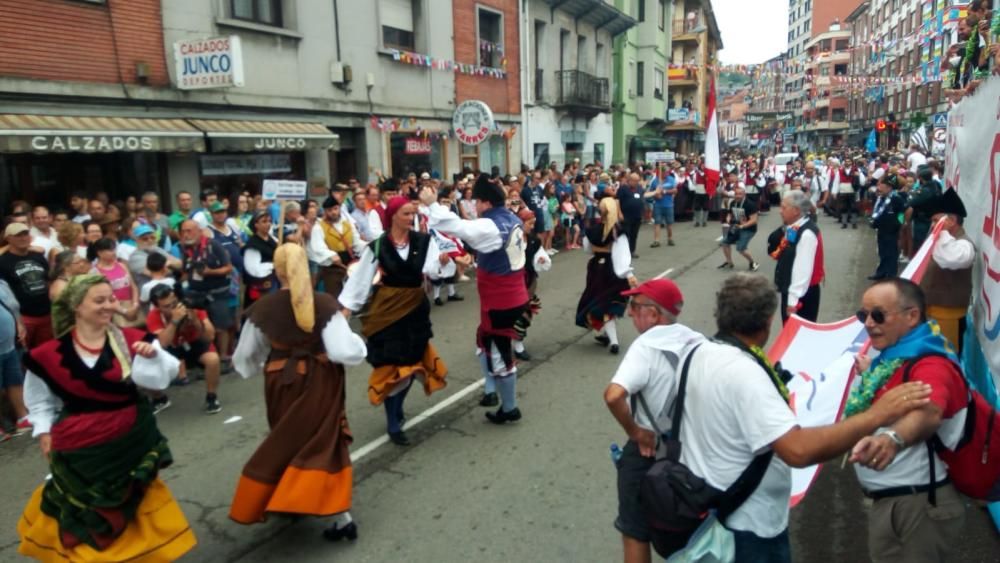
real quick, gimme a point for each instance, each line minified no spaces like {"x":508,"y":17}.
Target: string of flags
{"x":410,"y":125}
{"x":418,"y":59}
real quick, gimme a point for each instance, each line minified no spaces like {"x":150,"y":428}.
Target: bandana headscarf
{"x":64,"y":307}
{"x":292,"y":269}
{"x":609,"y":215}
{"x":394,"y":205}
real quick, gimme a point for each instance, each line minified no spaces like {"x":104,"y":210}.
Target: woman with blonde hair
{"x":609,"y":273}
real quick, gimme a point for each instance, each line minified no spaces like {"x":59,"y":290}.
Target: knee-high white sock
{"x":611,"y":330}
{"x":437,"y":291}
{"x":451,"y":289}
{"x":518,"y":346}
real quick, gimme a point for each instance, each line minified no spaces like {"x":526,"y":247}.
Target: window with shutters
{"x":396,"y":19}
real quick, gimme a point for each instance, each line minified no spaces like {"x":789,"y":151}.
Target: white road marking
{"x":410,"y":423}
{"x":232,"y":419}
{"x":666,"y":273}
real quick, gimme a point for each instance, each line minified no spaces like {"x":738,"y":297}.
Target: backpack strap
{"x":678,"y":402}
{"x":933,"y":443}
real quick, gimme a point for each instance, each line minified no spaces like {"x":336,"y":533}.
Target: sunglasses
{"x":878,"y":315}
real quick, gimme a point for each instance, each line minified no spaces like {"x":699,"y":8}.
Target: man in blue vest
{"x":498,"y":238}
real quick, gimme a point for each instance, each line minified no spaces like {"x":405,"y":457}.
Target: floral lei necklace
{"x":761,"y":356}
{"x":872,"y":380}
{"x":791,"y":232}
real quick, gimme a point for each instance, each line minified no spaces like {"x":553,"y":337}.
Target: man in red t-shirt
{"x":917,"y":515}
{"x":187,"y":334}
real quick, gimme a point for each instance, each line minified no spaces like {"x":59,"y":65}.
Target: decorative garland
{"x":785,"y":242}
{"x":772,"y":370}
{"x":872,"y":380}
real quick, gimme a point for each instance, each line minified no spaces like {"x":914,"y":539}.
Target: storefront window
{"x":49,"y":179}
{"x":493,"y":152}
{"x":232,"y":173}
{"x":415,"y":154}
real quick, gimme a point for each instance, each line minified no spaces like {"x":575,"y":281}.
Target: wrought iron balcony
{"x":582,"y":93}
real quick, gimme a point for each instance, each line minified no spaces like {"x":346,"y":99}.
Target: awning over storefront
{"x":21,"y":133}
{"x":253,"y":136}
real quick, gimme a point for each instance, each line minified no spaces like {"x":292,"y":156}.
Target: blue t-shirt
{"x":667,"y":201}
{"x":8,"y":328}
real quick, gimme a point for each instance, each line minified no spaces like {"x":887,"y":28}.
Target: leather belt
{"x":905,"y":490}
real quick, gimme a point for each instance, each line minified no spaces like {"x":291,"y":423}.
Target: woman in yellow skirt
{"x":104,"y":501}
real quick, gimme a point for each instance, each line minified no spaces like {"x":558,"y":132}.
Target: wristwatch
{"x":894,"y":437}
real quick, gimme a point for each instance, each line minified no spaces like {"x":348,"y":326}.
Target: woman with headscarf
{"x":105,"y":501}
{"x":258,"y":258}
{"x":398,"y":325}
{"x":300,"y":341}
{"x":609,"y":273}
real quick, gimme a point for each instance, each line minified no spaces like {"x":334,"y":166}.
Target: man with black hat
{"x":947,"y":282}
{"x":885,"y":220}
{"x":498,"y":238}
{"x":333,"y":246}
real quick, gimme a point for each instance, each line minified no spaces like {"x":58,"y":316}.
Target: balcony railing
{"x":687,"y":27}
{"x":582,"y":91}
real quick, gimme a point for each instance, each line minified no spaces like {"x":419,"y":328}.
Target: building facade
{"x":131,"y":96}
{"x":694,"y":52}
{"x":566,"y":53}
{"x":732,"y":118}
{"x":824,"y":117}
{"x":640,"y":67}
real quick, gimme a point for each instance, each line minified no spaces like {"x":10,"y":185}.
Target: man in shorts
{"x":187,"y":334}
{"x":741,"y":217}
{"x":660,"y":193}
{"x":639,"y":397}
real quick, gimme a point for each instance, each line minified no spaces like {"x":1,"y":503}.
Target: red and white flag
{"x":712,"y":165}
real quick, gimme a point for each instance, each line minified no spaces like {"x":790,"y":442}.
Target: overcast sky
{"x":753,"y":31}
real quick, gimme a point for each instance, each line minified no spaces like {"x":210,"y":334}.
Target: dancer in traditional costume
{"x":105,"y":501}
{"x":538,"y":261}
{"x":258,"y":259}
{"x":498,"y":238}
{"x":398,"y":324}
{"x":300,"y":341}
{"x":609,"y":273}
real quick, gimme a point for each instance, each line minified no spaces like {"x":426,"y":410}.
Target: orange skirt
{"x":431,"y":371}
{"x":160,"y":532}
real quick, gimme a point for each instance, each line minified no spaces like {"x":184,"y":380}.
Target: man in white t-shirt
{"x":736,"y":408}
{"x":644,"y":386}
{"x":915,"y":159}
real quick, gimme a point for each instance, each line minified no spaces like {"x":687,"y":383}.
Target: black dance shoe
{"x":349,"y":532}
{"x":501,"y":417}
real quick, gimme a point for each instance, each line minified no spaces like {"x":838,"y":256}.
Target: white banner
{"x":821,"y":360}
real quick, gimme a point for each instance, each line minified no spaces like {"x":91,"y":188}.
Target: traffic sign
{"x":940,"y":120}
{"x":940,"y":134}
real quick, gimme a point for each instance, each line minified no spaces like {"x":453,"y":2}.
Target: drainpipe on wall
{"x":522,"y":8}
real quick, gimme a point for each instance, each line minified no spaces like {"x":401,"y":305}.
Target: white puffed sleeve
{"x":542,"y":260}
{"x":42,"y":404}
{"x":157,"y":372}
{"x":481,"y":234}
{"x":432,"y":264}
{"x":251,"y":351}
{"x":359,"y":283}
{"x":255,"y":266}
{"x":342,"y":345}
{"x":621,"y":257}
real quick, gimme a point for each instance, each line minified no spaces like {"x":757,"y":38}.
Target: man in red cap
{"x":646,"y":379}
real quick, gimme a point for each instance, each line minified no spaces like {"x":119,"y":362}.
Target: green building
{"x":639,"y":106}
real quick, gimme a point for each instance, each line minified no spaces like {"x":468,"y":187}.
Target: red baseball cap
{"x":664,"y":292}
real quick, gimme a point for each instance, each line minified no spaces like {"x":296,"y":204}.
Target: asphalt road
{"x":540,"y":490}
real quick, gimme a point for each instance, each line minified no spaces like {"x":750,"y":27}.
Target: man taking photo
{"x":207,"y":269}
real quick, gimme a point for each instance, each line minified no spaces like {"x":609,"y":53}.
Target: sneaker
{"x":212,"y":405}
{"x":161,"y":403}
{"x":551,"y":251}
{"x":464,"y":278}
{"x":554,"y":251}
{"x":754,"y":266}
{"x":656,"y":244}
{"x":23,"y":427}
{"x":670,"y":242}
{"x":725,"y":266}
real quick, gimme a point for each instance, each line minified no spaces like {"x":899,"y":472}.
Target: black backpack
{"x":674,"y":499}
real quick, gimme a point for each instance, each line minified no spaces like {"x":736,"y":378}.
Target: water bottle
{"x":616,"y":453}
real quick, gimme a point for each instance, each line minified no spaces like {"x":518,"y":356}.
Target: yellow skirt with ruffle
{"x":159,"y":532}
